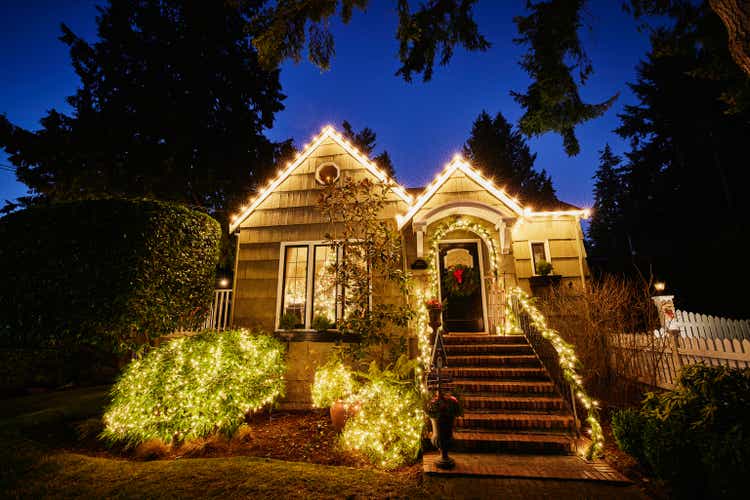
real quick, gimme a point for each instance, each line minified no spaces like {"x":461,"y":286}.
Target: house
{"x":282,"y":256}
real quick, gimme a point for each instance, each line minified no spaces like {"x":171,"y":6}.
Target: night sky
{"x":420,"y":124}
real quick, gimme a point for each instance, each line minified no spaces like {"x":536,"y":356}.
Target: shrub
{"x":321,"y":323}
{"x":543,"y":268}
{"x":628,"y":427}
{"x":333,"y":381}
{"x":696,"y":436}
{"x":113,"y":273}
{"x":195,"y":386}
{"x":387,"y":424}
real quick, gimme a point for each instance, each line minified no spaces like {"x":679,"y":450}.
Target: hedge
{"x":696,"y":436}
{"x":108,"y":273}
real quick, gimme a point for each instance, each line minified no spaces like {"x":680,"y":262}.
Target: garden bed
{"x":295,"y":436}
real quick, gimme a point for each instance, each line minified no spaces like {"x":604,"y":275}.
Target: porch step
{"x":493,"y":360}
{"x":516,"y":421}
{"x":488,"y":349}
{"x":482,"y":338}
{"x":503,"y":386}
{"x":488,"y":442}
{"x":496,"y":373}
{"x":528,"y":403}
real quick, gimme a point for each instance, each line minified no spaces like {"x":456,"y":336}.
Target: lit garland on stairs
{"x":568,"y":363}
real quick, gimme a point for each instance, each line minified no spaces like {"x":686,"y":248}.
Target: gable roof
{"x":458,"y":163}
{"x":328,"y":132}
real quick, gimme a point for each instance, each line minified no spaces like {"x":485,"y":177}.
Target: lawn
{"x":41,"y":460}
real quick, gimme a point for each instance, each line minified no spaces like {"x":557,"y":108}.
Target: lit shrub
{"x":387,"y":427}
{"x":333,"y":381}
{"x":195,"y":386}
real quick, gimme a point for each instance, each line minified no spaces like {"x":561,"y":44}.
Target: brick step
{"x":530,"y":403}
{"x":516,"y":421}
{"x":490,"y":442}
{"x":488,"y":349}
{"x":479,"y":338}
{"x":464,"y":386}
{"x":492,"y":360}
{"x":525,"y":373}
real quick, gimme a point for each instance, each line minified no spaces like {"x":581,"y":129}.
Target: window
{"x":308,"y":287}
{"x":295,"y":283}
{"x":539,"y":252}
{"x":324,"y":283}
{"x":327,"y":173}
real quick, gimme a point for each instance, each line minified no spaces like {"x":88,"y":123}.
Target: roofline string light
{"x":414,"y":205}
{"x":327,"y":132}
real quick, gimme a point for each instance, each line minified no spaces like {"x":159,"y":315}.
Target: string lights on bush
{"x":195,"y":386}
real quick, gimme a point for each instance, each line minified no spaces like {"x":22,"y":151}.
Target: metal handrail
{"x":547,"y":354}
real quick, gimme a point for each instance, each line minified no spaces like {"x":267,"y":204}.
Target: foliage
{"x":543,"y":268}
{"x":288,"y":321}
{"x":387,"y":425}
{"x":696,"y":436}
{"x":195,"y":386}
{"x":686,"y":131}
{"x":628,"y":428}
{"x":502,"y":152}
{"x":605,"y":226}
{"x":444,"y":405}
{"x":460,"y":281}
{"x":112,"y":273}
{"x":552,"y":101}
{"x":370,"y":268}
{"x":333,"y":382}
{"x":364,"y":140}
{"x":172,"y":105}
{"x":321,"y":323}
{"x":594,"y":320}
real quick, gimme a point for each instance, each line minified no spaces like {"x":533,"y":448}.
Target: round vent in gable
{"x":327,"y":173}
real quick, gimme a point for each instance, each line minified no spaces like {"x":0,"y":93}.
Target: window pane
{"x":538,"y":253}
{"x":295,"y":283}
{"x":324,"y":283}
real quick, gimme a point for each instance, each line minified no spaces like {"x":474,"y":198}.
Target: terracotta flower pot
{"x":339,"y":414}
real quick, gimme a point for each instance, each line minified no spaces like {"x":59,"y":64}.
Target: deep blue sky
{"x":421,"y":124}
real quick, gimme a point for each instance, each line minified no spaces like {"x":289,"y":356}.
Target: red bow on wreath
{"x":459,"y":275}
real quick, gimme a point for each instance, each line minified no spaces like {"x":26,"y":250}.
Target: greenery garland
{"x":460,"y":281}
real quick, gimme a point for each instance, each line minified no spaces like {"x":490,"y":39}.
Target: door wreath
{"x":460,"y":281}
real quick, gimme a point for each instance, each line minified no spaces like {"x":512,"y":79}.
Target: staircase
{"x":510,"y":403}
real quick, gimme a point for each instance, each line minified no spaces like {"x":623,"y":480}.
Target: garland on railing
{"x":423,"y":339}
{"x":568,"y":363}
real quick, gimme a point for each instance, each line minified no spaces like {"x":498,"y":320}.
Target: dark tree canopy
{"x":502,"y":153}
{"x":684,"y":207}
{"x":556,"y":60}
{"x":366,"y":140}
{"x":172,"y":105}
{"x":605,"y":226}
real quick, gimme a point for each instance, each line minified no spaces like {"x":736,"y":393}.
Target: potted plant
{"x":288,"y":321}
{"x":333,"y":385}
{"x":544,"y":279}
{"x":434,"y":309}
{"x":443,"y":409}
{"x":321,"y":323}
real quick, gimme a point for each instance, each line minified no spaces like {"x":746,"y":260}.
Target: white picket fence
{"x":221,"y":309}
{"x":657,"y":358}
{"x":703,"y":326}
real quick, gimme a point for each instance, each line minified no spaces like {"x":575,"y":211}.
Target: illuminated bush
{"x":195,"y":386}
{"x":333,"y":381}
{"x":387,"y":427}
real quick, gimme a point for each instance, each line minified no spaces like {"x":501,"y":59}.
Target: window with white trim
{"x":308,"y":285}
{"x":539,"y":252}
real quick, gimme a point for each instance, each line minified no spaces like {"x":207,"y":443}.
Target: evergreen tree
{"x":605,"y":233}
{"x":685,"y":210}
{"x":366,"y":140}
{"x":172,"y":105}
{"x":501,"y":152}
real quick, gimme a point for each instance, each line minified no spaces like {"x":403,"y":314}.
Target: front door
{"x":461,"y":286}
